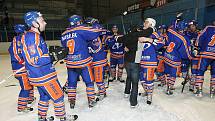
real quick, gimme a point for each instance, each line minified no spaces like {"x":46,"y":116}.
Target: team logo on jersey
{"x":146,"y":45}
{"x":32,"y":49}
{"x":117,"y":46}
{"x":96,"y":42}
{"x":18,"y":43}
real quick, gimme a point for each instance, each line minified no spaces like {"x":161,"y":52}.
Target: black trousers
{"x":132,"y":80}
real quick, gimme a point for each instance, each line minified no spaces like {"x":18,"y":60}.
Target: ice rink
{"x":179,"y":107}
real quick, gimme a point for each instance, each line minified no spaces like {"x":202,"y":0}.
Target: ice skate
{"x":26,"y":110}
{"x":212,"y":92}
{"x":72,"y":104}
{"x":199,"y":93}
{"x":69,"y":118}
{"x":92,"y":103}
{"x":169,"y":91}
{"x":191,"y":88}
{"x":149,"y":99}
{"x":101,"y":97}
{"x":143,"y":94}
{"x":121,"y":80}
{"x":31,"y":102}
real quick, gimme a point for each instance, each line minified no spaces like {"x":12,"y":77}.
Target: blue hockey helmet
{"x":91,"y":20}
{"x":181,"y":25}
{"x":74,"y":19}
{"x":98,"y":26}
{"x":162,"y":26}
{"x":19,"y":28}
{"x":31,"y":16}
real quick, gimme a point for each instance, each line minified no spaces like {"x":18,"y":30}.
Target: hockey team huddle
{"x":168,"y":52}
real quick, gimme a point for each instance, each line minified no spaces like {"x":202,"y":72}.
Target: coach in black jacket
{"x":132,"y":67}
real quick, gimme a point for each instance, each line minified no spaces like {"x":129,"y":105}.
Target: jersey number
{"x":170,"y":47}
{"x":71,"y":46}
{"x":212,"y":42}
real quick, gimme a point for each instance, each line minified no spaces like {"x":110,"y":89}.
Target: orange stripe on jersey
{"x":98,"y":62}
{"x":156,"y":34}
{"x":15,"y":50}
{"x":44,"y":77}
{"x":81,"y":61}
{"x":148,"y":62}
{"x":30,"y":61}
{"x":37,"y":42}
{"x":184,"y":42}
{"x":82,"y":28}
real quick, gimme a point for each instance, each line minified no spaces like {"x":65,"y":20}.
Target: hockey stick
{"x":185,"y":81}
{"x":4,"y":80}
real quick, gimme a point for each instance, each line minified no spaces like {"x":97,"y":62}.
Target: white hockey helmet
{"x":151,"y":21}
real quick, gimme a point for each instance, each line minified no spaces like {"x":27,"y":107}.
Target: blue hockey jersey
{"x":116,"y":48}
{"x":97,"y":49}
{"x":16,"y":56}
{"x":149,"y":55}
{"x":77,"y":39}
{"x":192,"y":35}
{"x":206,"y":42}
{"x":178,"y":48}
{"x":37,"y":60}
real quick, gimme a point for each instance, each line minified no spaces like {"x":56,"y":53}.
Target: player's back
{"x":178,"y":48}
{"x":76,"y":39}
{"x":15,"y":53}
{"x":206,"y":42}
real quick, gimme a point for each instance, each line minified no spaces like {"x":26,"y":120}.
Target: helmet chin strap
{"x":38,"y":27}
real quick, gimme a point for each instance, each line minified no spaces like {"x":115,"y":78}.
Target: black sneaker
{"x":134,"y":106}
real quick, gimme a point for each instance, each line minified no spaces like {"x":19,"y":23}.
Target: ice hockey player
{"x":26,"y":94}
{"x":78,"y":61}
{"x":162,"y":29}
{"x":116,"y":55}
{"x":206,"y":46}
{"x":39,"y":66}
{"x":148,"y":61}
{"x":192,"y":34}
{"x":178,"y":49}
{"x":97,"y":51}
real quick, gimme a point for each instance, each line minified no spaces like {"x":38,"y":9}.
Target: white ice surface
{"x":179,"y":107}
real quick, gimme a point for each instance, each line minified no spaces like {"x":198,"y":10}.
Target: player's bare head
{"x":193,"y":25}
{"x":35,"y":19}
{"x":114,"y":29}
